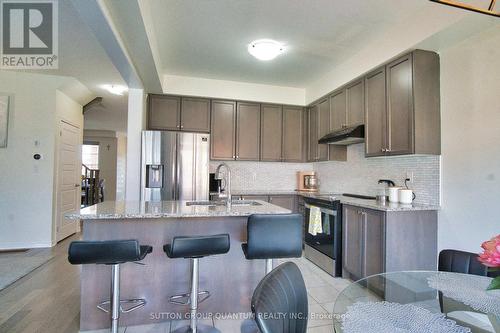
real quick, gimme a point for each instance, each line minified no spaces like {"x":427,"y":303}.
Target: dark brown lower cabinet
{"x":385,"y":241}
{"x":285,"y":201}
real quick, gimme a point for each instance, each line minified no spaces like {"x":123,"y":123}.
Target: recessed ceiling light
{"x":265,"y":49}
{"x":115,"y":89}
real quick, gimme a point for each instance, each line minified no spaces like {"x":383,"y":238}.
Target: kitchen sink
{"x":222,"y":203}
{"x":204,"y":203}
{"x":245,"y":203}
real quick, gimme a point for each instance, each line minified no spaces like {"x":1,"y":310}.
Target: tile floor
{"x":322,"y":290}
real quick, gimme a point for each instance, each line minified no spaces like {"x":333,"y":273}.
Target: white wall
{"x":136,"y":123}
{"x":402,"y":36}
{"x":195,"y":86}
{"x":26,"y":185}
{"x":470,"y":106}
{"x":121,"y":165}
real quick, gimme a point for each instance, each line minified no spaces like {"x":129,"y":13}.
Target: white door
{"x":68,"y":179}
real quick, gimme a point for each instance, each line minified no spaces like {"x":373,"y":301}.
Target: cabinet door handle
{"x":182,"y":126}
{"x":237,"y":156}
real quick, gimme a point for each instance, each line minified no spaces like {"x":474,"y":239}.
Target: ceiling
{"x":209,"y":38}
{"x":82,"y":57}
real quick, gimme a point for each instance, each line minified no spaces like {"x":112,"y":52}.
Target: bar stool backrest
{"x":109,"y":252}
{"x":198,"y":246}
{"x":274,"y":236}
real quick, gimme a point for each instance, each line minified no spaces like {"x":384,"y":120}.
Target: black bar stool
{"x":195,"y":248}
{"x":273,"y":236}
{"x":114,"y":253}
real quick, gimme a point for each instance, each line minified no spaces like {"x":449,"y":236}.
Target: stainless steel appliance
{"x":345,"y":136}
{"x":174,"y":166}
{"x":307,"y":181}
{"x":325,"y":249}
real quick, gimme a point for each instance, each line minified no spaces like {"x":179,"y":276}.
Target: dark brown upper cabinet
{"x":293,"y":133}
{"x":355,"y":96}
{"x":164,"y":112}
{"x":312,"y":154}
{"x":195,"y":114}
{"x":248,"y":131}
{"x":323,"y":128}
{"x":338,"y":110}
{"x":347,"y":106}
{"x":223,"y":130}
{"x":376,"y":115}
{"x":271,"y":132}
{"x":175,"y":113}
{"x":410,"y":121}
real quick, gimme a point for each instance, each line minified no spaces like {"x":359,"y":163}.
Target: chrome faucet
{"x":227,"y":183}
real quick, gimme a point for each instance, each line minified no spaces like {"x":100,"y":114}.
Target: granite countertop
{"x":364,"y":203}
{"x":371,"y":204}
{"x":113,"y":210}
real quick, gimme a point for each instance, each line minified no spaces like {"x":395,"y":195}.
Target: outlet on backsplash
{"x":409,"y":176}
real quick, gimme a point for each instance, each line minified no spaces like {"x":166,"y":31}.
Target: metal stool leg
{"x":115,"y":297}
{"x":269,"y":266}
{"x":194,"y":327}
{"x":194,"y":293}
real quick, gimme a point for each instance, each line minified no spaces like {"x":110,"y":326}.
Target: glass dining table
{"x":418,"y":301}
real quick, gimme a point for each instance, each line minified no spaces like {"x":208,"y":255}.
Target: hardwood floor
{"x":46,"y":300}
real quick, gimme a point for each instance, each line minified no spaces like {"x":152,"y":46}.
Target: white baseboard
{"x":17,"y":246}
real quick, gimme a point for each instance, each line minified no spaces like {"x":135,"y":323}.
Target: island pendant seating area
{"x":230,"y":278}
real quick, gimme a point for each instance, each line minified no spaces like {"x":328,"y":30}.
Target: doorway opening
{"x":92,"y":184}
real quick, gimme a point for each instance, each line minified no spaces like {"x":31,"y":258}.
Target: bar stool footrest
{"x":174,"y":299}
{"x":136,"y":304}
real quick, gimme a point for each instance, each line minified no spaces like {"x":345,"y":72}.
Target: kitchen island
{"x":230,"y":278}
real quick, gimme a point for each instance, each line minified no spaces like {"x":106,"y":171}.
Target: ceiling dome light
{"x":265,"y":49}
{"x":115,"y":89}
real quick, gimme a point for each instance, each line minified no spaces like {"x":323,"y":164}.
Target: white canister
{"x":393,"y":193}
{"x":405,"y":196}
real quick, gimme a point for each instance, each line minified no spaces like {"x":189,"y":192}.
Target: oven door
{"x":323,"y":242}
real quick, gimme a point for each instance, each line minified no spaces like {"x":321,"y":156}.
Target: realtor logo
{"x":29,"y":34}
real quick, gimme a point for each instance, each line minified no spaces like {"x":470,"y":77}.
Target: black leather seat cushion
{"x":106,"y":252}
{"x":280,"y":301}
{"x":197,"y":246}
{"x":461,"y":262}
{"x":273,"y":236}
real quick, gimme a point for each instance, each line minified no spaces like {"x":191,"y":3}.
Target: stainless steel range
{"x":325,"y":248}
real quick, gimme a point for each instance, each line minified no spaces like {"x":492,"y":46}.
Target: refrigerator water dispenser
{"x":154,"y":176}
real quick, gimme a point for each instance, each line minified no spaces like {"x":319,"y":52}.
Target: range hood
{"x":345,"y":136}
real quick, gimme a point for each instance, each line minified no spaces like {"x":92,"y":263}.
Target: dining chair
{"x":456,"y":261}
{"x":279,"y":302}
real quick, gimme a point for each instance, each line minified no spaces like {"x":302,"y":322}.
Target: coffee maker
{"x":307,"y":181}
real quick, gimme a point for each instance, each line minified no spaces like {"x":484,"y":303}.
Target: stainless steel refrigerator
{"x":174,"y":166}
